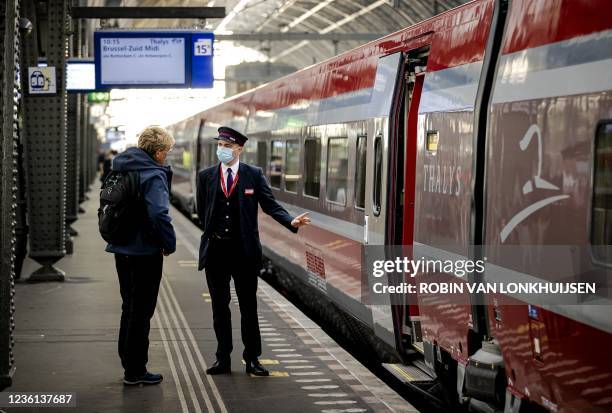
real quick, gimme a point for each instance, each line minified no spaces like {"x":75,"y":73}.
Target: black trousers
{"x":226,"y":261}
{"x":139,"y":279}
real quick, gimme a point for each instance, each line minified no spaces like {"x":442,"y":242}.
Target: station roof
{"x":272,"y":22}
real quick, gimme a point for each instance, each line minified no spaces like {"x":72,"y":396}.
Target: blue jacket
{"x":155,"y":182}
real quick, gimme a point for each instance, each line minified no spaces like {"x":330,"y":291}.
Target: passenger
{"x":139,"y":263}
{"x":101,"y":158}
{"x":107,"y":164}
{"x":227,"y":198}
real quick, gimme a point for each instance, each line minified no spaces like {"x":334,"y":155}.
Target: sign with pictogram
{"x":42,"y":80}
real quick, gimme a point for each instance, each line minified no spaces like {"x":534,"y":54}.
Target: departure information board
{"x":138,"y":59}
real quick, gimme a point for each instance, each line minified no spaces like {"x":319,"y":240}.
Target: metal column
{"x":45,"y":139}
{"x":92,"y":144}
{"x":83,"y":119}
{"x":73,"y":145}
{"x":9,"y":116}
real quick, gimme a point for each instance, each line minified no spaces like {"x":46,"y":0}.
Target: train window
{"x":248,"y":152}
{"x":186,"y":159}
{"x":198,"y":146}
{"x":312,"y":166}
{"x":211,"y":153}
{"x":377,"y":175}
{"x":360,"y":172}
{"x":292,"y":165}
{"x":262,"y":153}
{"x":337,"y":170}
{"x":601,"y":214}
{"x":276,"y":163}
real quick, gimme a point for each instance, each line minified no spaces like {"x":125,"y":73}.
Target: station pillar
{"x":45,"y":136}
{"x":9,"y":119}
{"x":82,"y":135}
{"x":74,"y":148}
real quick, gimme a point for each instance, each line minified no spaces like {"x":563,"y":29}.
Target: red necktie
{"x":230,"y":180}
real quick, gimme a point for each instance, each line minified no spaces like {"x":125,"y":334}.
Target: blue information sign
{"x":153,"y":59}
{"x":201,"y":60}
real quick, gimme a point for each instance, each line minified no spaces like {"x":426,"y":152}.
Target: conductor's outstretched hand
{"x":300,"y":220}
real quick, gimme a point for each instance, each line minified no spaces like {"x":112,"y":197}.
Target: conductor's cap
{"x":231,"y":135}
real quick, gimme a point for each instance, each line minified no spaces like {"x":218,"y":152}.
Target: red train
{"x":490,"y":124}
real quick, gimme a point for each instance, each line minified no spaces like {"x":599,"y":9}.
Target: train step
{"x":408,"y":373}
{"x":418,"y":346}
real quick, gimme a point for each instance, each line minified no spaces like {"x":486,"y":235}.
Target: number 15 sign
{"x":202,"y":47}
{"x":202,"y":59}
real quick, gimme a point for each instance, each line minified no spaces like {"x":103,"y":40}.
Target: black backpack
{"x":121,"y":207}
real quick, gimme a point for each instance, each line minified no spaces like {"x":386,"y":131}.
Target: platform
{"x":66,"y":342}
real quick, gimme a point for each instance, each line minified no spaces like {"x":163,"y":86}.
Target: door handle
{"x":365,"y":229}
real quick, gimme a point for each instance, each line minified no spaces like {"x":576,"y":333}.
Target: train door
{"x":389,"y":213}
{"x":403,"y":315}
{"x":377,"y":184}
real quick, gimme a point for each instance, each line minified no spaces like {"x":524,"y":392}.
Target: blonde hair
{"x":154,"y":138}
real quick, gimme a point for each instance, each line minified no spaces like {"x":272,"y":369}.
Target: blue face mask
{"x":225,"y":155}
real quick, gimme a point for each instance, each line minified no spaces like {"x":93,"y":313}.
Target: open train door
{"x":403,"y":144}
{"x":403,"y":123}
{"x":377,"y":186}
{"x":390,"y":173}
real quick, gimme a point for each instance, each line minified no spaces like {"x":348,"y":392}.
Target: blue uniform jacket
{"x":252,"y":190}
{"x":157,"y":233}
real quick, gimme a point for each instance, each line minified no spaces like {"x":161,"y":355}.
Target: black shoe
{"x":219,"y":368}
{"x":147,"y":378}
{"x":255,"y":368}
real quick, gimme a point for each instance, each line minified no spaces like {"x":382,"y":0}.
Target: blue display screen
{"x":153,"y":59}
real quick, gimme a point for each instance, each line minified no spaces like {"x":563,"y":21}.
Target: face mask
{"x":225,"y":155}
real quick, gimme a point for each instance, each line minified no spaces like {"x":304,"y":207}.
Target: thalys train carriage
{"x":490,"y":124}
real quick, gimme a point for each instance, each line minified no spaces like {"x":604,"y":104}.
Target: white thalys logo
{"x":537,"y":183}
{"x":442,"y":179}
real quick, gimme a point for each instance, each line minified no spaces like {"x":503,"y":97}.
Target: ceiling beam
{"x":148,"y":12}
{"x":328,"y":29}
{"x":306,"y":15}
{"x":277,"y":12}
{"x":237,"y":9}
{"x":275,"y":36}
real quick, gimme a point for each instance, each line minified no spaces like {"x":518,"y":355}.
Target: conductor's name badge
{"x":249,"y":191}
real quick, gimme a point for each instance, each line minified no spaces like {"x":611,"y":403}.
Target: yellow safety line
{"x":265,"y":361}
{"x":403,"y":373}
{"x":273,"y":374}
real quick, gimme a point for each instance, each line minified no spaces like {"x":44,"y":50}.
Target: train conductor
{"x":227,"y":198}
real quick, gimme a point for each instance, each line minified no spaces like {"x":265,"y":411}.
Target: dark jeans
{"x":139,"y":278}
{"x":225,"y":261}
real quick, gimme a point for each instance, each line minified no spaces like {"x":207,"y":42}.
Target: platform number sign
{"x":202,"y":59}
{"x":202,"y":47}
